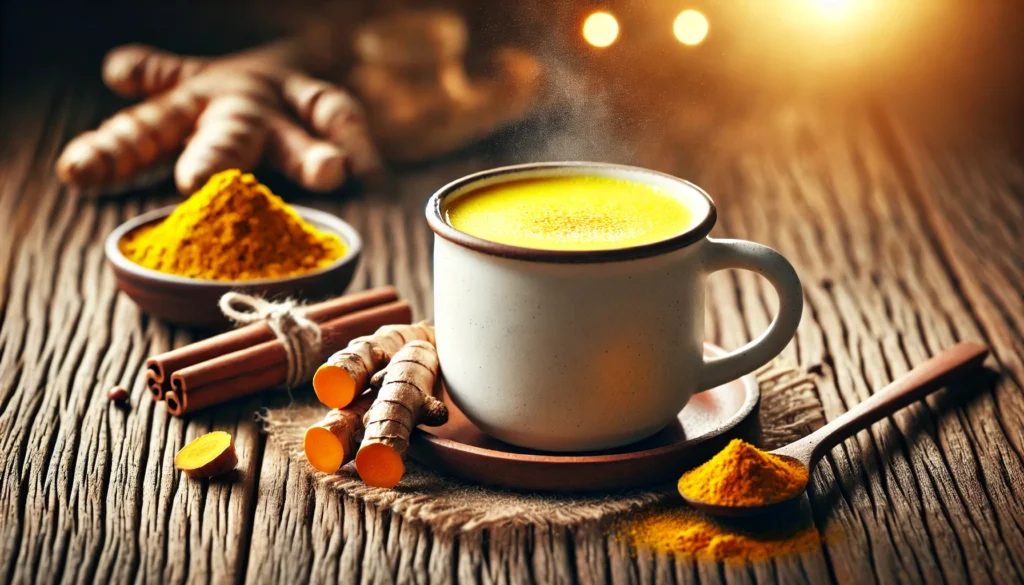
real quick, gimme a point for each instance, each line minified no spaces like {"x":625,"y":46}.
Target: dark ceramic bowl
{"x":193,"y":302}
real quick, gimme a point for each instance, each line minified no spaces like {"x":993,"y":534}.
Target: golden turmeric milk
{"x":571,"y":213}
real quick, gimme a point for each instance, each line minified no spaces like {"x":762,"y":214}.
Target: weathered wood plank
{"x":904,"y":249}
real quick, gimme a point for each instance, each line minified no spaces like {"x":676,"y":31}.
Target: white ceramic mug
{"x":571,"y":350}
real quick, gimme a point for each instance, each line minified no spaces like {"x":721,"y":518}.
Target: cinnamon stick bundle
{"x":263,"y":366}
{"x":161,"y":367}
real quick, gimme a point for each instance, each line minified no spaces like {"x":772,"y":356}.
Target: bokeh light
{"x":600,"y":29}
{"x":690,"y":27}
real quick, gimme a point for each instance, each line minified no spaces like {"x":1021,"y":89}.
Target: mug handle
{"x":723,"y":254}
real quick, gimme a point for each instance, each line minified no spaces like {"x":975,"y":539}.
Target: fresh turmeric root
{"x":333,"y":441}
{"x":405,"y":400}
{"x":347,"y":373}
{"x":211,"y":455}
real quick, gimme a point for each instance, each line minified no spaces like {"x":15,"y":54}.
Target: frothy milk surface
{"x":571,"y":213}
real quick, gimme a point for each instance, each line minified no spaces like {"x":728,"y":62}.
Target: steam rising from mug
{"x":579,"y":126}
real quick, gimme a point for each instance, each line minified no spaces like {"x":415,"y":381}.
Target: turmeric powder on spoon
{"x":232,"y":229}
{"x":743,"y":475}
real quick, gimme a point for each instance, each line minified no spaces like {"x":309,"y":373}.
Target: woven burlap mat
{"x":789,"y":409}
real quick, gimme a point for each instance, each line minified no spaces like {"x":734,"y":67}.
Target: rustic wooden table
{"x":904,"y":248}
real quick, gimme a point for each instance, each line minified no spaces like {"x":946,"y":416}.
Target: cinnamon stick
{"x":180,"y":403}
{"x":160,"y":367}
{"x":264,"y":366}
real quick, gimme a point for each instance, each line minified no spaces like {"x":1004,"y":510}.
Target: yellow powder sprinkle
{"x":234,"y":228}
{"x":743,"y":475}
{"x":683,"y":531}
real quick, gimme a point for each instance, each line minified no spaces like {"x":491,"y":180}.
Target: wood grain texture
{"x":904,"y":248}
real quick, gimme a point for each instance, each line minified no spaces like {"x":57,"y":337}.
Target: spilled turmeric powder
{"x":232,"y":229}
{"x":739,"y":475}
{"x":681,"y":530}
{"x":743,"y":475}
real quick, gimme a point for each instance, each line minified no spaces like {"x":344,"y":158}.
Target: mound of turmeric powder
{"x":681,"y":530}
{"x":232,"y":229}
{"x":743,"y":475}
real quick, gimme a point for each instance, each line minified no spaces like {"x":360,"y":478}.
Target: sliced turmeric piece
{"x":405,"y":400}
{"x":211,"y":455}
{"x":333,"y":441}
{"x":347,"y":373}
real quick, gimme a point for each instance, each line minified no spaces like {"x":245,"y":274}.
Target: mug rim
{"x":442,"y":228}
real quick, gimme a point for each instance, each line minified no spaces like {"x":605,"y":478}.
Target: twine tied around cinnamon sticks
{"x":255,"y":357}
{"x":299,"y":335}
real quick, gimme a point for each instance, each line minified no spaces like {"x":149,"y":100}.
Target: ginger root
{"x":231,"y":133}
{"x":346,"y":374}
{"x":405,"y":400}
{"x":333,"y":441}
{"x":129,"y":141}
{"x":139,"y":70}
{"x":319,"y":165}
{"x":211,"y":455}
{"x":224,"y":113}
{"x":336,"y":115}
{"x":421,"y":100}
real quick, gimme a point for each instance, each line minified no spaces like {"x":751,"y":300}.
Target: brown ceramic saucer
{"x":708,"y":422}
{"x":193,"y":302}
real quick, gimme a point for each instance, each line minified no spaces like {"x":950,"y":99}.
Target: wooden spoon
{"x":913,"y":386}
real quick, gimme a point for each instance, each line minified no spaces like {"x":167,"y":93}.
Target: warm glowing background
{"x":942,"y":59}
{"x":817,"y":42}
{"x":952,"y":61}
